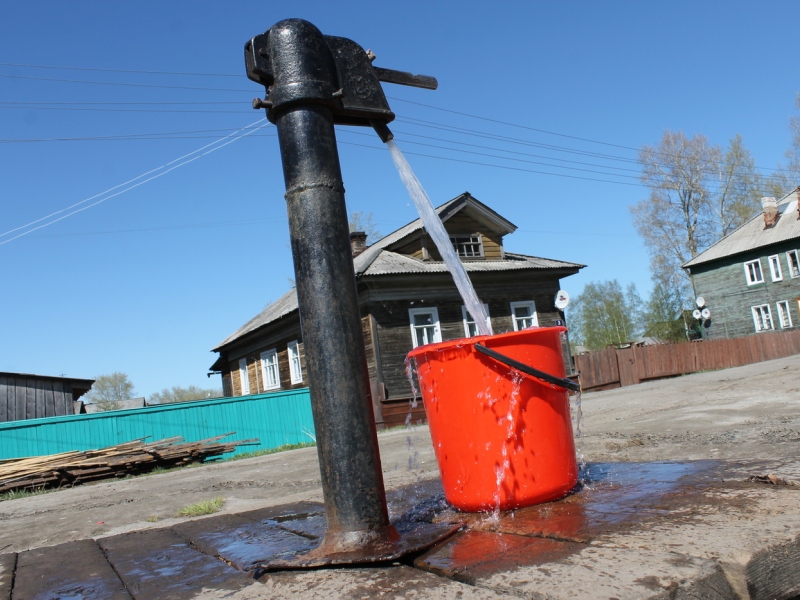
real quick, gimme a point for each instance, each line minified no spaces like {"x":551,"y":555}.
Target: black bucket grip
{"x":515,"y":364}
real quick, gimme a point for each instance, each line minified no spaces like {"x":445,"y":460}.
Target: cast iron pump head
{"x":299,"y":65}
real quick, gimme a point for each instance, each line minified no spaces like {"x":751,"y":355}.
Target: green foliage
{"x":663,"y":315}
{"x":205,"y":507}
{"x":109,"y":390}
{"x":605,"y":314}
{"x":183,"y":394}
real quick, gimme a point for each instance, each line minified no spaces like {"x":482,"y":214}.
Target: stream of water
{"x":435,"y":228}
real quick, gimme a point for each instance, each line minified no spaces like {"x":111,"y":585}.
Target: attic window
{"x":468,"y":246}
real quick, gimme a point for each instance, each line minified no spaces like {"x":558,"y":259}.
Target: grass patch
{"x":283,"y":448}
{"x":204,"y":507}
{"x":16,"y":494}
{"x":152,"y":519}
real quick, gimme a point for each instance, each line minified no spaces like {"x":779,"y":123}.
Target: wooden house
{"x":24,"y":396}
{"x":407,"y":298}
{"x":750,"y":279}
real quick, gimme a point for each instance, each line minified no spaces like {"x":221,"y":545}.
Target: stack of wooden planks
{"x":131,"y":458}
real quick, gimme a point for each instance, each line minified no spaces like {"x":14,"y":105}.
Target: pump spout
{"x":382,"y":130}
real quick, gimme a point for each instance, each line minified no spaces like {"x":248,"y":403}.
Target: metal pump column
{"x":314,"y":81}
{"x":347,"y":441}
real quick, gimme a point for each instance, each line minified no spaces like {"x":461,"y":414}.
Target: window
{"x":295,"y":371}
{"x":752,"y":271}
{"x":470,"y":329}
{"x":269,"y":370}
{"x":784,"y":318}
{"x":794,"y":263}
{"x":775,"y":268}
{"x":762,"y":318}
{"x":424,"y":326}
{"x":244,"y":380}
{"x":523,"y":314}
{"x":468,"y":246}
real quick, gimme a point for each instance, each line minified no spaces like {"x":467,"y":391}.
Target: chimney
{"x":770,"y":205}
{"x":358,"y":242}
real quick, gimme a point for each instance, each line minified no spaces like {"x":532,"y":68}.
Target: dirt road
{"x":747,"y":412}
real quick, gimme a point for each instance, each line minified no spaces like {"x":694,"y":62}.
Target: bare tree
{"x":181,"y":394}
{"x":109,"y":390}
{"x":361,"y":221}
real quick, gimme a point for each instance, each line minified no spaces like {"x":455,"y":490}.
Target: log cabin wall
{"x":274,"y":338}
{"x":388,"y":303}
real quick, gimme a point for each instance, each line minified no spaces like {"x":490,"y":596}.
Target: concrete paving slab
{"x":615,"y":573}
{"x":474,"y":555}
{"x":8,"y":563}
{"x":396,"y":583}
{"x":306,"y":519}
{"x":242,"y":542}
{"x":160,"y":564}
{"x":71,"y":570}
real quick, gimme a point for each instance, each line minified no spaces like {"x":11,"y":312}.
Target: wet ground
{"x":652,"y":510}
{"x":692,"y":493}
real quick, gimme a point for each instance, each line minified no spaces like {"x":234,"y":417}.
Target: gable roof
{"x":752,"y":234}
{"x":378,"y":259}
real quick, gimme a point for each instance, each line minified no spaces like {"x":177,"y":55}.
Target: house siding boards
{"x":723,"y":285}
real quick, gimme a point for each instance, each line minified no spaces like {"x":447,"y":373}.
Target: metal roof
{"x":280,"y":308}
{"x":392,"y":263}
{"x":753,"y":235}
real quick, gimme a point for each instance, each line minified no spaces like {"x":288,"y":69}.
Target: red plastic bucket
{"x":501,"y":438}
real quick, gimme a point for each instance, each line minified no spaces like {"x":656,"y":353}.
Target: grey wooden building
{"x":26,"y":396}
{"x":407,"y":298}
{"x":750,"y":279}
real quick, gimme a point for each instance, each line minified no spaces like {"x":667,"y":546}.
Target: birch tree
{"x":605,"y":314}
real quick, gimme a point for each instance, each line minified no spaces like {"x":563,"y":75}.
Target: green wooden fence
{"x":277,"y":419}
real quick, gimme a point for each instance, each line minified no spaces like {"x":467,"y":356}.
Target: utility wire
{"x":145,"y":85}
{"x":27,"y":66}
{"x":216,"y":146}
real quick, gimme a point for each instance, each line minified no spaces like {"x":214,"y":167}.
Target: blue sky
{"x":149,"y":281}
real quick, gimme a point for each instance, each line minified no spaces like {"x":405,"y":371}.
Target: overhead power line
{"x":209,"y":148}
{"x":193,"y":74}
{"x":127,"y":84}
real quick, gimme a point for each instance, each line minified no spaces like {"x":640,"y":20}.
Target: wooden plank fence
{"x":618,"y":367}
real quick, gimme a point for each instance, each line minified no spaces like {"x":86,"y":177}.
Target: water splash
{"x":579,"y":436}
{"x":434,"y":227}
{"x":413,"y":453}
{"x":511,"y":438}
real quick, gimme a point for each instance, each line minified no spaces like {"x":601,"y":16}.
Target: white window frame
{"x":794,"y":267}
{"x":784,"y":316}
{"x":269,"y":361}
{"x":751,"y":279}
{"x":437,"y":331}
{"x":458,"y":239}
{"x":775,"y":267}
{"x":295,"y":368}
{"x":524,"y":304}
{"x":467,"y":320}
{"x":244,"y":378}
{"x":758,"y":318}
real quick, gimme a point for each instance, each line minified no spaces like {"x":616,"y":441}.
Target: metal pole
{"x":347,"y":441}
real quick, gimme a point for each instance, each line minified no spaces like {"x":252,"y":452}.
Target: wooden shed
{"x":26,"y":396}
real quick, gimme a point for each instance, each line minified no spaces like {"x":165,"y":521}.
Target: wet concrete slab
{"x":8,"y":563}
{"x":473,"y":555}
{"x":695,"y":529}
{"x":158,"y":563}
{"x":242,"y":542}
{"x":71,"y":570}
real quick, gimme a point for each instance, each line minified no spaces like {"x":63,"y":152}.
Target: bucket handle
{"x":564,"y":383}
